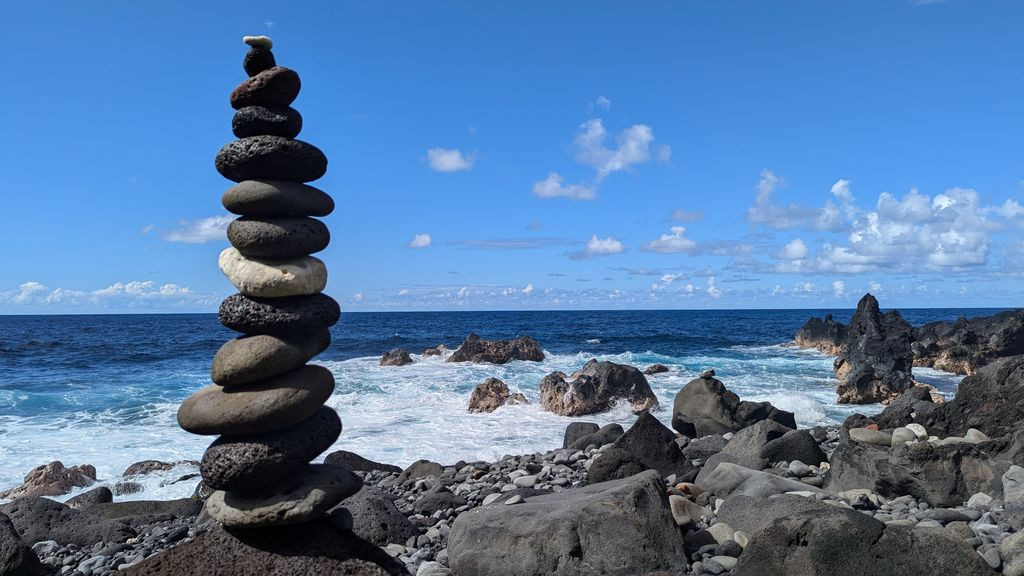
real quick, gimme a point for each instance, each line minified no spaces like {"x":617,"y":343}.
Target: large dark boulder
{"x":421,"y":469}
{"x":615,"y":464}
{"x":794,"y":445}
{"x":618,"y":527}
{"x":38,"y":519}
{"x":705,"y":406}
{"x":596,"y":387}
{"x":604,"y":435}
{"x":752,"y":514}
{"x":312,"y":548}
{"x":875,"y":361}
{"x":825,"y":335}
{"x":16,"y":558}
{"x":357,"y":463}
{"x":843,"y":542}
{"x":376,"y":519}
{"x":944,"y":475}
{"x":965,"y":345}
{"x":476,"y":349}
{"x":576,"y":430}
{"x":179,"y":508}
{"x":99,"y":495}
{"x":745,"y":447}
{"x":654,"y":444}
{"x":437,"y":498}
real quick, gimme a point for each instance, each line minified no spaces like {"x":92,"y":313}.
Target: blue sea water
{"x":104,"y":389}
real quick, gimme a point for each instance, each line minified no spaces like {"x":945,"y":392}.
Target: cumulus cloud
{"x":450,"y":160}
{"x":133,"y":294}
{"x":358,"y":297}
{"x":838,"y":288}
{"x":420,"y":241}
{"x":795,"y":250}
{"x":712,"y":288}
{"x":553,"y":187}
{"x":632,"y":146}
{"x":673,"y":243}
{"x":832,"y":217}
{"x":201,"y":231}
{"x":874,"y":286}
{"x":603,"y":103}
{"x":528,"y":290}
{"x":603,"y":246}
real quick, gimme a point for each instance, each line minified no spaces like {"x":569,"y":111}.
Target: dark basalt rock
{"x":127,"y":510}
{"x":875,"y":360}
{"x":357,"y":462}
{"x":825,"y":335}
{"x":794,"y":445}
{"x":258,"y":59}
{"x":281,"y":316}
{"x":260,"y":120}
{"x":607,"y":434}
{"x":263,"y":406}
{"x":16,"y":557}
{"x":376,"y":519}
{"x":252,"y":358}
{"x":421,"y":469}
{"x":395,"y":357}
{"x":438,"y":498}
{"x":491,"y":395}
{"x":476,"y":349}
{"x":705,"y":406}
{"x":270,"y":158}
{"x":38,"y":519}
{"x":300,"y":550}
{"x":84,"y":500}
{"x":615,"y":464}
{"x":276,"y":198}
{"x":596,"y":388}
{"x":655,"y":369}
{"x":576,"y":430}
{"x":654,"y":444}
{"x":252,"y":461}
{"x":966,"y":345}
{"x":52,"y":479}
{"x":278,"y":238}
{"x":275,"y":87}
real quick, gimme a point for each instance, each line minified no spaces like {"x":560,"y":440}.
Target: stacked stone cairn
{"x":266,"y":402}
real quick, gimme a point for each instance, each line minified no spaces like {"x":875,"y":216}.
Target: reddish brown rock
{"x":52,"y":479}
{"x":491,"y":395}
{"x":275,"y":87}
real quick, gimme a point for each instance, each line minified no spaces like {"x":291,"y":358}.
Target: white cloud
{"x":420,"y":241}
{"x":686,"y":215}
{"x":838,"y":288}
{"x":552,"y":187}
{"x":403,"y":292}
{"x":528,"y":290}
{"x":633,"y":146}
{"x":831,"y":217}
{"x":664,"y":152}
{"x":673,"y":243}
{"x":601,"y":246}
{"x":201,"y":231}
{"x":1010,"y":209}
{"x":463,"y":292}
{"x":874,"y":286}
{"x":795,"y":250}
{"x":712,"y":289}
{"x":27,"y":292}
{"x":603,"y":103}
{"x":668,"y":279}
{"x":358,"y":297}
{"x":134,"y":294}
{"x":450,"y":160}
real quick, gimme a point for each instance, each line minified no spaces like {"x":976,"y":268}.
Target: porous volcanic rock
{"x":492,"y":394}
{"x":270,"y":158}
{"x":875,"y":361}
{"x":284,"y":316}
{"x":596,"y":387}
{"x":395,"y":357}
{"x":705,"y":406}
{"x":825,"y":335}
{"x":278,"y":238}
{"x":966,"y":345}
{"x":52,"y":479}
{"x":38,"y":519}
{"x":476,"y":349}
{"x":257,"y":120}
{"x":275,"y":87}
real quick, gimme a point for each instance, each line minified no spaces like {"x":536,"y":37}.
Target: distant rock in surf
{"x":491,"y":395}
{"x":52,"y":479}
{"x":825,"y":335}
{"x":655,"y":369}
{"x":438,"y":350}
{"x":476,"y":349}
{"x":875,"y":361}
{"x":596,"y":388}
{"x":395,"y":357}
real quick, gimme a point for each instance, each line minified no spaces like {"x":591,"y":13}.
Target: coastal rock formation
{"x":52,"y":479}
{"x":476,"y":349}
{"x":576,"y":430}
{"x":655,"y":369}
{"x":38,"y":519}
{"x":875,"y":359}
{"x":654,"y":445}
{"x":964,"y":346}
{"x":491,"y":395}
{"x":618,"y":527}
{"x":395,"y":357}
{"x":826,"y":335}
{"x":16,"y":558}
{"x":705,"y":406}
{"x":596,"y":388}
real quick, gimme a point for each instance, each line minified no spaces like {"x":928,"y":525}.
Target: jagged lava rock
{"x":376,"y":519}
{"x":270,"y":158}
{"x":966,"y":345}
{"x":875,"y":362}
{"x":52,"y":479}
{"x":278,"y":238}
{"x":250,"y":358}
{"x":270,"y":404}
{"x":825,"y":335}
{"x":395,"y":357}
{"x":260,"y":120}
{"x":491,"y":395}
{"x":705,"y":406}
{"x":276,"y":198}
{"x":275,"y":87}
{"x":273,"y":278}
{"x":476,"y":349}
{"x":596,"y":387}
{"x":281,"y":316}
{"x":252,"y":461}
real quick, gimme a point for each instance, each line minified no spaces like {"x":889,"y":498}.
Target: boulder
{"x":991,"y":400}
{"x":38,"y":519}
{"x":52,"y":479}
{"x":825,"y":335}
{"x":751,"y":514}
{"x":376,"y":519}
{"x":618,"y":527}
{"x":605,"y":435}
{"x":576,"y":430}
{"x":437,"y":498}
{"x":748,"y":443}
{"x":794,"y":445}
{"x":313,"y":548}
{"x":964,"y":346}
{"x":843,"y":542}
{"x":476,"y":349}
{"x":395,"y":357}
{"x":144,"y":467}
{"x":705,"y":406}
{"x":728,"y":479}
{"x":16,"y":557}
{"x":179,"y":508}
{"x":596,"y":387}
{"x":420,"y":469}
{"x":491,"y":395}
{"x":704,"y":448}
{"x":100,"y":495}
{"x":655,"y":369}
{"x":357,"y":463}
{"x":614,"y":464}
{"x":654,"y":444}
{"x":875,"y":360}
{"x":438,"y":350}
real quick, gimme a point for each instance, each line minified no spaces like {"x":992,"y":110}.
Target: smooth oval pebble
{"x":276,"y":198}
{"x":275,"y":87}
{"x":260,"y":120}
{"x":291,"y":315}
{"x":250,"y":358}
{"x":258,"y":59}
{"x":293,"y":500}
{"x":266,"y":405}
{"x":250,"y":462}
{"x":278,"y":238}
{"x":273,"y":278}
{"x":270,"y":158}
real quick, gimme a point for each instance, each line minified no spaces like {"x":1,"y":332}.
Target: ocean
{"x":104,"y":389}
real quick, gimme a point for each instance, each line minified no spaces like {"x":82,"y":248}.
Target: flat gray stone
{"x":260,"y":356}
{"x":869,"y":436}
{"x":276,"y":198}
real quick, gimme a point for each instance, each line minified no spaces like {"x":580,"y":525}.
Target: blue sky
{"x":530,"y":155}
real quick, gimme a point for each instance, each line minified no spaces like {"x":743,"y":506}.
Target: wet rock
{"x":476,"y":349}
{"x":395,"y":357}
{"x":491,"y":395}
{"x":596,"y":387}
{"x":52,"y":479}
{"x":705,"y":406}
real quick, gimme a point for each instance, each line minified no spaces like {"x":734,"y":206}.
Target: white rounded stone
{"x":273,"y":278}
{"x":918,"y":430}
{"x":257,"y":41}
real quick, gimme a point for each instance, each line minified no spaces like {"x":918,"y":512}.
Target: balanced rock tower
{"x":266,"y":402}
